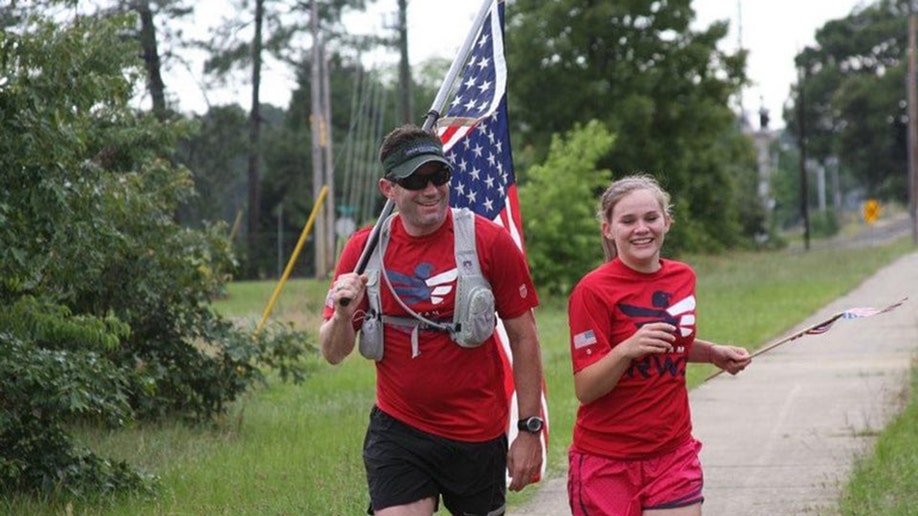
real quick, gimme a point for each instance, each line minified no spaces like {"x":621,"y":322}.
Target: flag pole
{"x":808,"y":329}
{"x":429,"y":121}
{"x":784,"y":340}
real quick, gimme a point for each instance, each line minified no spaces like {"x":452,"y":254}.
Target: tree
{"x":278,"y":29}
{"x":853,"y":82}
{"x":149,"y":37}
{"x":104,"y":299}
{"x":59,"y":104}
{"x":661,"y":87}
{"x":156,"y":22}
{"x":362,"y":107}
{"x":561,"y":227}
{"x":151,"y":57}
{"x":215,"y":155}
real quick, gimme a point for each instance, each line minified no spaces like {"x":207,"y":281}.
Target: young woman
{"x":632,"y":330}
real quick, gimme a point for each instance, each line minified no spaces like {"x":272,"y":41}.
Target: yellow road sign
{"x":871,"y":211}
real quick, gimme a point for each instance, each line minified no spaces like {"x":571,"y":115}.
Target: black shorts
{"x":405,"y":465}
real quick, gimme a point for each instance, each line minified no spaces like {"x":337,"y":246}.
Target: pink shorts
{"x":599,"y":485}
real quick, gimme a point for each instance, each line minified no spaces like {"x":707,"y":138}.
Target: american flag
{"x":851,"y":313}
{"x":476,"y":139}
{"x":854,"y":313}
{"x":476,"y":136}
{"x":822,"y":327}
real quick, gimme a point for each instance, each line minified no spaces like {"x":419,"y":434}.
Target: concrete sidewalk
{"x":781,"y":437}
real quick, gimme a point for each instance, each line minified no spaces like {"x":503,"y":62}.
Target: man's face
{"x":422,"y":210}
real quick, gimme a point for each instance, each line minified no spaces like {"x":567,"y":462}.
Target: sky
{"x":773,"y":31}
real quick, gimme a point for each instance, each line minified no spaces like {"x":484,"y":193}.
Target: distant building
{"x":763,"y":138}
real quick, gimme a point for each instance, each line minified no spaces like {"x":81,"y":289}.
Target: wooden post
{"x":330,"y":204}
{"x":804,"y":189}
{"x":317,"y":123}
{"x":912,"y":86}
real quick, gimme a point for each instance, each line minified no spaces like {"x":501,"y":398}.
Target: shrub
{"x":104,"y":299}
{"x":560,"y":199}
{"x":54,"y":366}
{"x":824,"y":223}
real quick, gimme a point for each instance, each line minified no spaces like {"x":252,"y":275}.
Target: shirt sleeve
{"x":505,"y":267}
{"x":590,"y":324}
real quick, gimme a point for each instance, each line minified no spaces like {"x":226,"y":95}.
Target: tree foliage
{"x":362,"y":112}
{"x":215,"y":155}
{"x":852,"y":88}
{"x":279,"y":29}
{"x":104,"y":298}
{"x":661,"y":87}
{"x":560,"y":199}
{"x":56,"y":365}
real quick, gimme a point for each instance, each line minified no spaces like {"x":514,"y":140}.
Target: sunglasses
{"x":419,"y":181}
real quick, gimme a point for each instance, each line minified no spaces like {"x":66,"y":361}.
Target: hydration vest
{"x":473,"y":314}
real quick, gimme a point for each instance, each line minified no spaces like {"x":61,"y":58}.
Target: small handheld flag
{"x":822,"y":327}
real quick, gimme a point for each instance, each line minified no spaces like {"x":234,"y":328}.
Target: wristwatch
{"x":533,"y":425}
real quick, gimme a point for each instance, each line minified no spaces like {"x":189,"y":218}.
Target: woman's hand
{"x":731,"y":359}
{"x":656,"y":337}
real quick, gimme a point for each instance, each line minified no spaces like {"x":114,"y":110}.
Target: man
{"x":439,"y":425}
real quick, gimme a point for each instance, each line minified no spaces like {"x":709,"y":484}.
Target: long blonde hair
{"x":616,"y":191}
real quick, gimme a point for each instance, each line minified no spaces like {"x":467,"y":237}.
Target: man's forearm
{"x":527,"y":377}
{"x":527,"y":363}
{"x":337,"y":338}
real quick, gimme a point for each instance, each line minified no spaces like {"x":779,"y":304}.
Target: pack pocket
{"x":370,"y":343}
{"x":477,"y":318}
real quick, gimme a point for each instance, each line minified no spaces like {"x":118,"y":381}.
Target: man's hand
{"x":350,"y":287}
{"x":524,"y":460}
{"x":336,"y":335}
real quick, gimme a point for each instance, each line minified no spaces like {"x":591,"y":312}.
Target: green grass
{"x":300,"y":301}
{"x":886,"y":481}
{"x":288,"y":449}
{"x":749,"y":299}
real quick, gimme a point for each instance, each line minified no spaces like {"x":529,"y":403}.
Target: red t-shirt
{"x":446,"y":390}
{"x":647,"y":412}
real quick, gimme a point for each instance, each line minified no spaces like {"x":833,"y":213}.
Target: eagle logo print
{"x":680,"y":314}
{"x":423,"y":286}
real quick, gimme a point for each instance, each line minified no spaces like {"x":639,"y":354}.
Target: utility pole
{"x":404,"y":69}
{"x":330,"y":247}
{"x":317,"y":130}
{"x":804,"y":189}
{"x":254,"y":154}
{"x":739,"y":46}
{"x":912,"y":86}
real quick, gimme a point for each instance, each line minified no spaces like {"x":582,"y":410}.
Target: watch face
{"x":532,"y":424}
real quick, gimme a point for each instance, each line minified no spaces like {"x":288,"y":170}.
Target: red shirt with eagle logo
{"x":647,"y":412}
{"x":445,"y":390}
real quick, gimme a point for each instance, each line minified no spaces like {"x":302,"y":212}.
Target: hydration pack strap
{"x":420,"y":319}
{"x":416,"y":327}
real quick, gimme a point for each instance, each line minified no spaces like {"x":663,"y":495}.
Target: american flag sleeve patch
{"x":584,"y":339}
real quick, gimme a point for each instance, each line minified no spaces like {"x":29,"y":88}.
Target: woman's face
{"x":638,"y":225}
